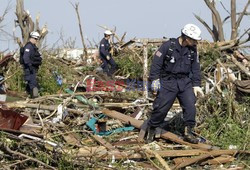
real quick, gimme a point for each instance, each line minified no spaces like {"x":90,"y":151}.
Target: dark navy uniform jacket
{"x":182,"y":62}
{"x":104,"y":48}
{"x":30,"y":51}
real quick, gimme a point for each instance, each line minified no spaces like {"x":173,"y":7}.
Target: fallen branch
{"x":18,"y":162}
{"x":27,"y":157}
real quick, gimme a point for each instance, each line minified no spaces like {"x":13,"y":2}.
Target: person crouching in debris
{"x":31,"y":60}
{"x":175,"y":72}
{"x":105,"y":55}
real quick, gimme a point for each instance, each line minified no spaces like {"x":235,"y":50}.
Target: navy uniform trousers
{"x":105,"y":65}
{"x":171,"y":88}
{"x":30,"y":78}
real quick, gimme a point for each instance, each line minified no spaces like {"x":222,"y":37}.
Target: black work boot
{"x":150,"y":134}
{"x":188,"y":136}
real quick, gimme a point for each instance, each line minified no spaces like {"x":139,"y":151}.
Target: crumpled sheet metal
{"x":10,"y":119}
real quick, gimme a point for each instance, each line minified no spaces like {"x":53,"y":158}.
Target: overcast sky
{"x":139,"y":18}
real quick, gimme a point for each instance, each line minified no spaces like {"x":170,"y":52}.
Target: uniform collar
{"x":179,"y":47}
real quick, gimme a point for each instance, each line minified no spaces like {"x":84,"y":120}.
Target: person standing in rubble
{"x":175,"y":73}
{"x":31,"y":60}
{"x":105,"y":55}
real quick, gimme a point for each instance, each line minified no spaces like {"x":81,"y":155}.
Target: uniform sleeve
{"x":27,"y":54}
{"x":158,"y":61}
{"x":103,"y":49}
{"x":196,"y":71}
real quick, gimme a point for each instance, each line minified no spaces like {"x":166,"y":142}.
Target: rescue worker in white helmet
{"x":175,"y":73}
{"x":105,"y":55}
{"x":31,"y":60}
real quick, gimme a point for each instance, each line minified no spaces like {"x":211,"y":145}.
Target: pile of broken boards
{"x":99,"y":129}
{"x":81,"y":130}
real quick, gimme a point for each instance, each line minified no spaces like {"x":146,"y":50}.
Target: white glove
{"x":197,"y":90}
{"x":156,"y":85}
{"x":108,"y":57}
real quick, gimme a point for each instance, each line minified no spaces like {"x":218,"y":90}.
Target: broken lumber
{"x":100,"y":151}
{"x":219,"y":160}
{"x":241,"y":66}
{"x":123,"y":105}
{"x":85,"y":151}
{"x":103,"y":142}
{"x":20,"y":132}
{"x":38,"y":106}
{"x":189,"y":161}
{"x":160,"y":159}
{"x":165,"y":134}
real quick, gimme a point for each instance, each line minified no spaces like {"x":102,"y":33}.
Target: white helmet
{"x":107,"y":32}
{"x":192,"y":31}
{"x":35,"y":35}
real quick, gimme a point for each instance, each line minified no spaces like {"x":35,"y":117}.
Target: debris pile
{"x":94,"y":121}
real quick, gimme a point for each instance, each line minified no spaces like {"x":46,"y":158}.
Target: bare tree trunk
{"x":24,"y":21}
{"x":215,"y":25}
{"x":216,"y":14}
{"x":80,"y":27}
{"x":216,"y":30}
{"x":233,"y":20}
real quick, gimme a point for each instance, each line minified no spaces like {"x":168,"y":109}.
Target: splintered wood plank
{"x":164,"y":134}
{"x":138,"y":110}
{"x":189,"y":161}
{"x":167,"y":153}
{"x":219,"y":160}
{"x":89,"y":151}
{"x":103,"y":142}
{"x":72,"y":139}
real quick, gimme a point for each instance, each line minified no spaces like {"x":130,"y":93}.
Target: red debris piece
{"x":10,"y":119}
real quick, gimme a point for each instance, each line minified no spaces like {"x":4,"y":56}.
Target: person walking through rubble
{"x":105,"y":55}
{"x":175,"y":73}
{"x":31,"y":60}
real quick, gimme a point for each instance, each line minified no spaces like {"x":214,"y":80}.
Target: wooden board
{"x":164,"y":134}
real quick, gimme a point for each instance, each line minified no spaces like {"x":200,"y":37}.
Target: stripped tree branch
{"x":207,"y":27}
{"x":242,"y":14}
{"x":226,"y":18}
{"x":80,"y":27}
